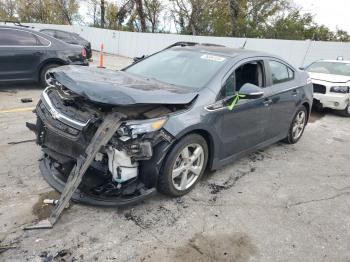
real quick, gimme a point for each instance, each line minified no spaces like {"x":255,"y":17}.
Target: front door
{"x":245,"y":125}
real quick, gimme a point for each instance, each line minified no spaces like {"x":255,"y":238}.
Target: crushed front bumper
{"x":54,"y":178}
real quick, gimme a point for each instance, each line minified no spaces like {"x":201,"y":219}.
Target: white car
{"x":331,"y":81}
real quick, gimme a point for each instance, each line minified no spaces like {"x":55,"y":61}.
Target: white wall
{"x":130,"y":44}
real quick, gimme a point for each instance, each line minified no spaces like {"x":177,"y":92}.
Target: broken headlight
{"x":145,"y":126}
{"x":340,"y":89}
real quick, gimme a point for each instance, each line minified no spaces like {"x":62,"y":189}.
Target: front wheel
{"x":297,"y":126}
{"x":184,"y":166}
{"x":346,"y":111}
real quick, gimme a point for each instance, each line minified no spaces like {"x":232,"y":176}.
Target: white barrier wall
{"x":131,"y":44}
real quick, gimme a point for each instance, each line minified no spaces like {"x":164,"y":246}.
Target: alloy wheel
{"x":48,"y":78}
{"x":299,"y":125}
{"x":188,"y":166}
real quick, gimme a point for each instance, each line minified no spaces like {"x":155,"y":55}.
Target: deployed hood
{"x":330,"y":78}
{"x":119,"y":88}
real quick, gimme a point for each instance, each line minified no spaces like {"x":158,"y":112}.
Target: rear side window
{"x":48,"y":32}
{"x":280,"y":72}
{"x":63,"y":36}
{"x":12,"y":37}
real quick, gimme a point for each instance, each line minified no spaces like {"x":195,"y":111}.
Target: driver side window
{"x":251,"y":72}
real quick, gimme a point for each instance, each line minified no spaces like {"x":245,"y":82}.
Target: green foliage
{"x":277,"y":19}
{"x":40,"y":11}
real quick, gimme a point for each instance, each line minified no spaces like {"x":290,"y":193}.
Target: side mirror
{"x":301,"y":68}
{"x":251,"y":91}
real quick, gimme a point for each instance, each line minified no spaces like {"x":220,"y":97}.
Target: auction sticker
{"x":213,"y":58}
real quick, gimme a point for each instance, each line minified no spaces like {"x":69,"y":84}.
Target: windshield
{"x":183,"y":68}
{"x":332,"y":68}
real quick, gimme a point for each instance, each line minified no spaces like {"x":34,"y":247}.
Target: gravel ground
{"x":283,"y":203}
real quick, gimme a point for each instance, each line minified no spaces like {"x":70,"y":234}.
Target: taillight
{"x":83,"y":52}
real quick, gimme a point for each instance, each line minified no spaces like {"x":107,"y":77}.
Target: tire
{"x":294,"y":137}
{"x":176,"y":159}
{"x":317,"y":106}
{"x":43,"y":72}
{"x":346,"y":111}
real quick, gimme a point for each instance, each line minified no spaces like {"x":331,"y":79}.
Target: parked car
{"x":70,"y":38}
{"x":28,"y":55}
{"x":183,"y":110}
{"x":331,"y":81}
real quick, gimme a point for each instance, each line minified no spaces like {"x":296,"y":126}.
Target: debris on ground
{"x":215,"y":188}
{"x":42,"y":210}
{"x":62,"y":254}
{"x":26,"y":100}
{"x":4,"y":248}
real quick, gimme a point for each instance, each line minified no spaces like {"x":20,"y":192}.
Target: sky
{"x":332,"y":13}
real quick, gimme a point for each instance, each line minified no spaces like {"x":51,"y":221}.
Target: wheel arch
{"x":308,"y":109}
{"x":47,"y":62}
{"x":208,"y":138}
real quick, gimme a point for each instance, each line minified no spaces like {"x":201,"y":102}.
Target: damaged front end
{"x":125,"y":169}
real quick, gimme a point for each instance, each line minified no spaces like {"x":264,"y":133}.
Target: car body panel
{"x":23,"y":63}
{"x":70,"y":38}
{"x":249,"y":129}
{"x":119,"y":88}
{"x":230,"y":132}
{"x":322,"y":91}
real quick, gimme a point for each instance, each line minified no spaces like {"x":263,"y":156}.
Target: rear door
{"x":282,"y":94}
{"x":20,"y":54}
{"x":245,"y":126}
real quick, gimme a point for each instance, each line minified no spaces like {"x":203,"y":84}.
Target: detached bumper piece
{"x":103,"y":134}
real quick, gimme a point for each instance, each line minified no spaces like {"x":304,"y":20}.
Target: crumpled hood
{"x":330,"y":78}
{"x":119,"y":87}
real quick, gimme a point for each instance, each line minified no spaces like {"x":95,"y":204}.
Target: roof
{"x":335,"y":61}
{"x":216,"y":49}
{"x":30,"y":29}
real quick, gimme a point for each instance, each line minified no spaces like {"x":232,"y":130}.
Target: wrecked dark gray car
{"x":183,"y":110}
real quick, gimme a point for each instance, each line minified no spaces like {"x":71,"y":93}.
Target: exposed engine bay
{"x":125,"y":169}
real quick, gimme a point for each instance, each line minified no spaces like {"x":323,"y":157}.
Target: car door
{"x":20,"y":54}
{"x":244,"y":127}
{"x":283,"y":95}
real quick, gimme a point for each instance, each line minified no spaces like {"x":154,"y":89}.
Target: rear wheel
{"x":184,"y":166}
{"x":45,"y":78}
{"x":297,"y":126}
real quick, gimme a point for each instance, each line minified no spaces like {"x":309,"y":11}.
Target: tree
{"x":141,"y":14}
{"x":93,"y":11}
{"x":192,"y":15}
{"x":153,"y":8}
{"x":8,"y":9}
{"x":103,"y":9}
{"x":342,"y":35}
{"x":67,"y":10}
{"x":47,"y":11}
{"x":236,"y":10}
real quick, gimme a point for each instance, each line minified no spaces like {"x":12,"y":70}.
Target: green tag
{"x":235,"y":101}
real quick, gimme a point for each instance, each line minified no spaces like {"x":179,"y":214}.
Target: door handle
{"x":267,"y":102}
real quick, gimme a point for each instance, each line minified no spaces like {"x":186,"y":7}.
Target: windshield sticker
{"x":213,"y":58}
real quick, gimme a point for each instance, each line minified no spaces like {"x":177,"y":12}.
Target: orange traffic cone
{"x":101,"y":64}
